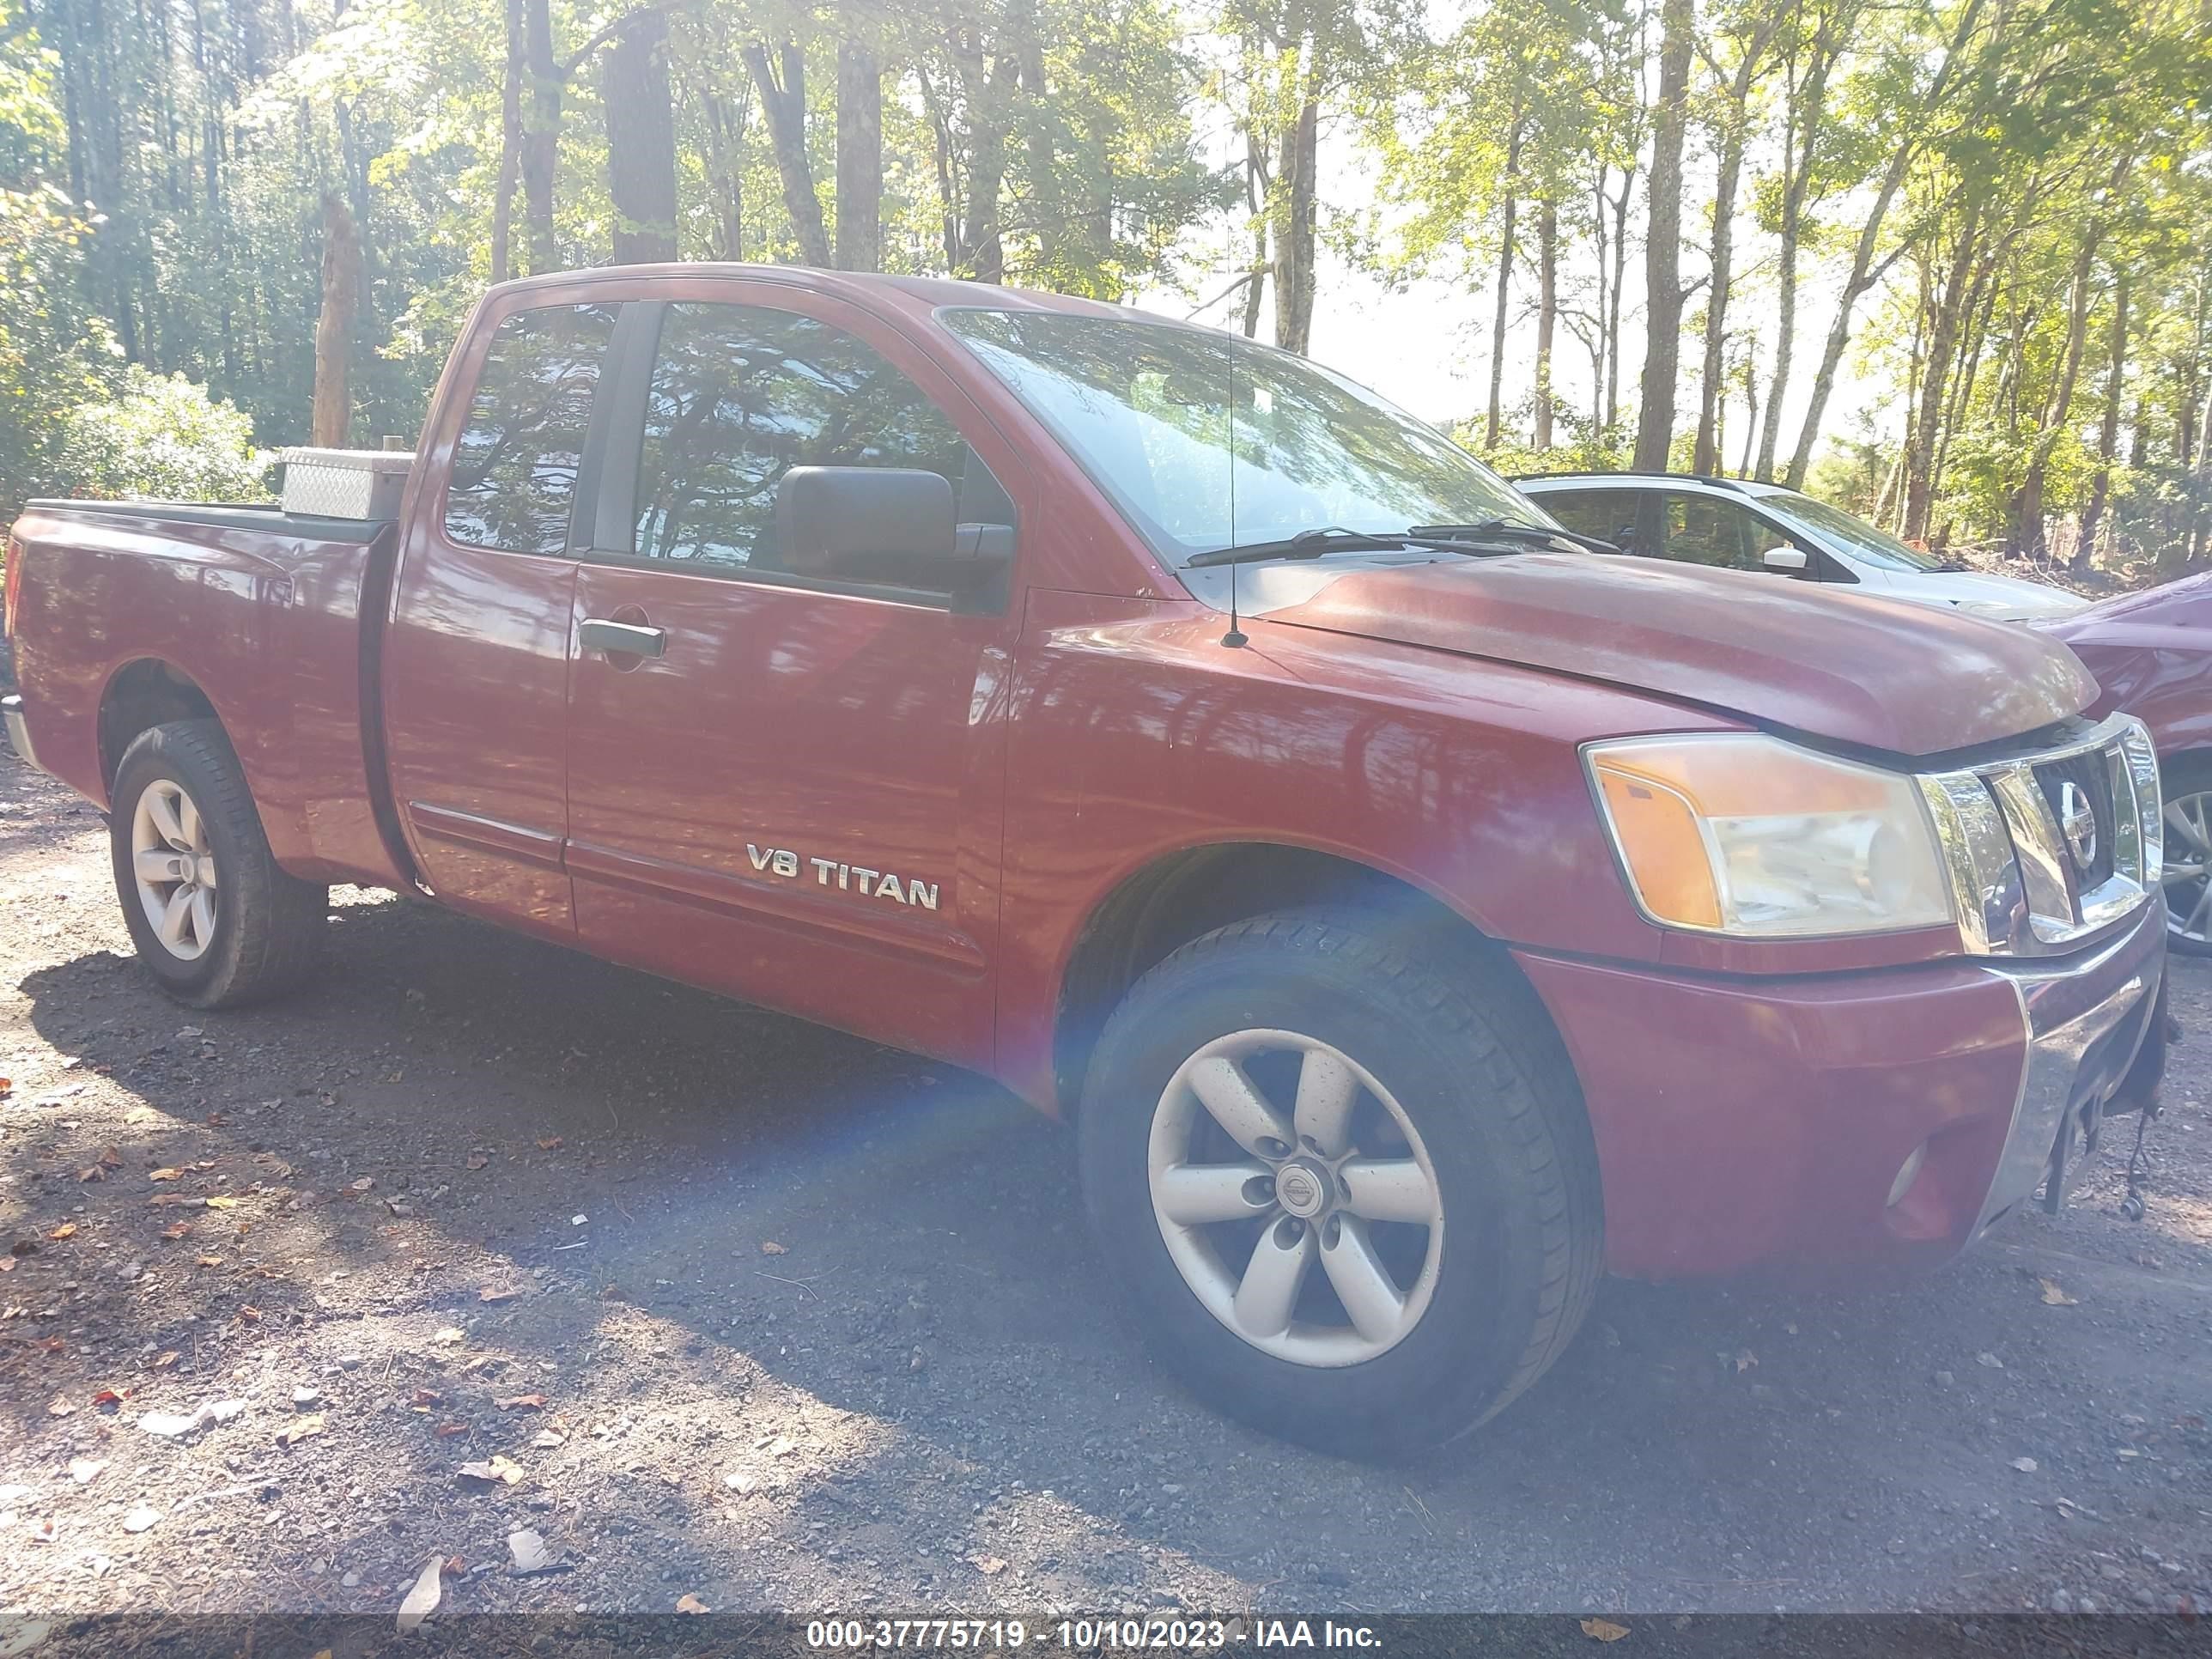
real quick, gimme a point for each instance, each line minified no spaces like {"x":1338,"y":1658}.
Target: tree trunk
{"x":1612,"y":304}
{"x":1798,"y":175}
{"x":1506,"y":251}
{"x":1256,"y":186}
{"x":333,"y":408}
{"x":2108,"y":431}
{"x":1662,"y":252}
{"x":726,"y":128}
{"x":783,"y":103}
{"x":1547,"y":315}
{"x":860,"y":157}
{"x":1707,"y":457}
{"x":1942,"y":341}
{"x":1294,"y":240}
{"x":1750,"y":413}
{"x":641,"y":140}
{"x":2024,"y":536}
{"x":510,"y":148}
{"x":541,"y":135}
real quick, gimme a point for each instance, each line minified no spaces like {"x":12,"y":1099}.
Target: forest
{"x":1675,"y":228}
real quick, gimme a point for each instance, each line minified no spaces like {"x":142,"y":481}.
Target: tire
{"x":2186,"y":776}
{"x":1485,"y":1105}
{"x":259,"y":929}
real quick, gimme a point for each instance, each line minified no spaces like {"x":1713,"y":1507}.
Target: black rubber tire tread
{"x":2186,"y":774}
{"x":1461,"y":996}
{"x":269,"y":924}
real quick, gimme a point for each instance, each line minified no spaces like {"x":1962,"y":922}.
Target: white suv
{"x":1742,"y":525}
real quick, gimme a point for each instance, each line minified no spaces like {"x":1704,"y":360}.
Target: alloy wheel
{"x":173,"y":864}
{"x":1296,"y":1198}
{"x":2188,"y":875}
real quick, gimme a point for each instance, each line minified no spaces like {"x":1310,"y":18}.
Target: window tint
{"x":514,"y":471}
{"x":740,"y":395}
{"x":1705,"y":529}
{"x":1607,"y":515}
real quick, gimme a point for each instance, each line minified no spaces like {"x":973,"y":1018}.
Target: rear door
{"x":474,"y":660}
{"x":1608,"y":514}
{"x":785,"y":786}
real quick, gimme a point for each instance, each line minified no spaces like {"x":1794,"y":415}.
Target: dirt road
{"x":737,"y":1308}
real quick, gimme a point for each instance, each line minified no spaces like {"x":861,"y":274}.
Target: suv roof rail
{"x":1586,"y":472}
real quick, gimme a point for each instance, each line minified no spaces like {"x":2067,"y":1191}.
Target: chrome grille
{"x":2023,"y":885}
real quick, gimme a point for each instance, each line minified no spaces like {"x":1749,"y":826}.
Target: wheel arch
{"x":1180,"y":895}
{"x":141,"y":694}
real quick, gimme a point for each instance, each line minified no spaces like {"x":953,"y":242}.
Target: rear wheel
{"x":2188,"y":790}
{"x":1351,"y":1194}
{"x":215,"y":920}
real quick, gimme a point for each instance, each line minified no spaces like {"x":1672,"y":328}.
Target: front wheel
{"x":215,"y":921}
{"x":1351,"y":1194}
{"x":2188,"y":791}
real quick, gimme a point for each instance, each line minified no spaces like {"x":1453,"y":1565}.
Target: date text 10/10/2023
{"x":1089,"y":1635}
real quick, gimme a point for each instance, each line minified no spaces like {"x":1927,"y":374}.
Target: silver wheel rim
{"x":1296,"y":1198}
{"x":173,"y":865}
{"x":2188,"y":877}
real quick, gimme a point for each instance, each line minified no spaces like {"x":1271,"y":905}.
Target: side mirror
{"x":861,"y":521}
{"x":1783,"y":558}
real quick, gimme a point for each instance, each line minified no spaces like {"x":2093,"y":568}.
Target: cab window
{"x":1709,"y":529}
{"x":1607,"y":515}
{"x":741,"y":394}
{"x":515,"y":467}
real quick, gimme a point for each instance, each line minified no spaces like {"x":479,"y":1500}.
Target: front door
{"x":783,"y":786}
{"x":475,"y":660}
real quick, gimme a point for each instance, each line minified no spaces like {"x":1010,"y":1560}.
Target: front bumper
{"x":1748,"y":1123}
{"x":19,"y":730}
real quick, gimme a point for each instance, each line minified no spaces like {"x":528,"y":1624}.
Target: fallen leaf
{"x":422,"y":1601}
{"x":92,"y":1172}
{"x":501,"y":1469}
{"x":1603,"y":1629}
{"x":547,"y":1440}
{"x":491,"y":1294}
{"x":478,"y":1160}
{"x":1745,"y":1360}
{"x":299,"y":1429}
{"x":691,"y":1604}
{"x":250,"y":1314}
{"x":220,"y":1202}
{"x":780,"y":1446}
{"x":165,"y":1360}
{"x":427,"y":1397}
{"x":1989,"y":1360}
{"x":989,"y":1565}
{"x":140,"y":1518}
{"x":2025,"y":1465}
{"x":110,"y":1158}
{"x":107,"y":1397}
{"x":529,"y":1554}
{"x":83,"y":1470}
{"x":451,"y":1334}
{"x":521,"y":1402}
{"x":550,"y":1143}
{"x":2053,"y":1297}
{"x":62,"y":1406}
{"x":211,"y":1261}
{"x":67,"y":1229}
{"x":403,"y":1211}
{"x":447,"y":1430}
{"x":361,"y":1185}
{"x":165,"y":1174}
{"x":8,"y":1264}
{"x":770,"y":1246}
{"x":177,"y":1230}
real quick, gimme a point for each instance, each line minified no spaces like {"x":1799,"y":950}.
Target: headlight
{"x":1746,"y":835}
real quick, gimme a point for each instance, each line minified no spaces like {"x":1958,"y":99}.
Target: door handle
{"x":621,"y":638}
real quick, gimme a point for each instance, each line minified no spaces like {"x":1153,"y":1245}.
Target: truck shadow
{"x":791,"y":1214}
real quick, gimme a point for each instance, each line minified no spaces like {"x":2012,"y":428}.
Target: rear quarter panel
{"x":267,"y":623}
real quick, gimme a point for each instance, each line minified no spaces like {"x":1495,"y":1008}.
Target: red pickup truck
{"x":1416,"y":915}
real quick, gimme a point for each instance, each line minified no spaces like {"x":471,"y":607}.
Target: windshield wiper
{"x":1306,"y":544}
{"x":1508,"y":530}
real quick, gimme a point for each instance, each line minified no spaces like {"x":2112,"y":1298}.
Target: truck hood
{"x":1898,"y":678}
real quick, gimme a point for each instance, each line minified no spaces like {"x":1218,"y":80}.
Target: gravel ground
{"x":734,"y":1307}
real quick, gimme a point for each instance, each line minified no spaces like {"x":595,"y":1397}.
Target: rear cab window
{"x":521,"y":453}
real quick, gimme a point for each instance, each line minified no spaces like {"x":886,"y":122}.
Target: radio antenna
{"x":1235,"y":636}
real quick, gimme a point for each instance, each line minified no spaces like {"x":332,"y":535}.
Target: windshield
{"x":1851,"y":534}
{"x":1147,"y":409}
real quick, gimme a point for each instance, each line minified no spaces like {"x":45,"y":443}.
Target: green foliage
{"x":160,"y":437}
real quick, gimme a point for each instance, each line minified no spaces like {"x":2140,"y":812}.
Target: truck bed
{"x":269,"y":619}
